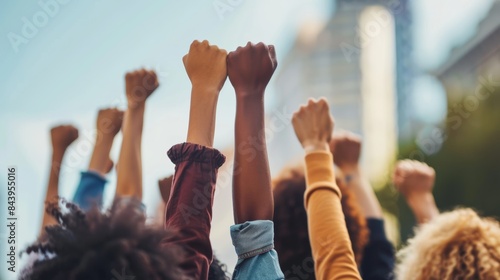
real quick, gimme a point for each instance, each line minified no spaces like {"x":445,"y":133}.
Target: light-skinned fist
{"x":412,"y":177}
{"x":206,"y":66}
{"x":313,"y":125}
{"x":250,"y":68}
{"x":139,"y":85}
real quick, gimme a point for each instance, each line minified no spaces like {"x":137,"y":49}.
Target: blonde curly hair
{"x":455,"y":245}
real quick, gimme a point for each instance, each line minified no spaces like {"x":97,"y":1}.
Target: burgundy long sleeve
{"x":190,"y":206}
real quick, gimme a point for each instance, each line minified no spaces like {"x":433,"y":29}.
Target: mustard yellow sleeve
{"x":330,"y":243}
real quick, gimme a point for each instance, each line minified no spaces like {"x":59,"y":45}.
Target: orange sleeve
{"x":330,"y":243}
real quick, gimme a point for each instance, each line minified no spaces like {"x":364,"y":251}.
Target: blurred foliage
{"x":467,"y":165}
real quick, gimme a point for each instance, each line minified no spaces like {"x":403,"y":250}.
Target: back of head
{"x":290,"y":223}
{"x":96,"y":245}
{"x":455,"y":245}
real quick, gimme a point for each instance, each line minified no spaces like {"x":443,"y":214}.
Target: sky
{"x":74,"y":64}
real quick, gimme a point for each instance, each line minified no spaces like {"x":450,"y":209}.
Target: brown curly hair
{"x":290,"y":221}
{"x":455,"y":245}
{"x":96,"y":245}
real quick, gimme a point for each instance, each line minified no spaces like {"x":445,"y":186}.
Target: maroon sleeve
{"x":189,"y":209}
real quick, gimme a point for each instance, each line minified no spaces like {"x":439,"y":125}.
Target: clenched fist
{"x":109,"y":121}
{"x":346,"y":148}
{"x":206,"y":65}
{"x":313,"y":125}
{"x":251,"y":67}
{"x":139,"y":85}
{"x":413,"y":177}
{"x":62,"y":136}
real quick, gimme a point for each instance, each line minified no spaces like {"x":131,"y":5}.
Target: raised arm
{"x":250,"y":68}
{"x":415,"y":181}
{"x":108,"y":124}
{"x":139,"y":85}
{"x":91,"y":187}
{"x":61,"y":137}
{"x":378,"y":256}
{"x":330,"y":243}
{"x":346,"y":149}
{"x":189,"y":208}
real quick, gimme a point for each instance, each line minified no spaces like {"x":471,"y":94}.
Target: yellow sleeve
{"x":330,"y":243}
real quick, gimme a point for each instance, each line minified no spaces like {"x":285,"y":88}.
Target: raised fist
{"x":206,"y":65}
{"x":346,"y":148}
{"x":251,"y":67}
{"x":109,"y":121}
{"x":139,"y":85}
{"x":413,"y":177}
{"x":62,"y":136}
{"x":165,"y":185}
{"x":313,"y":124}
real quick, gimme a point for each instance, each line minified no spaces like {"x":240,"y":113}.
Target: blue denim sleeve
{"x":90,"y":190}
{"x":254,"y":244}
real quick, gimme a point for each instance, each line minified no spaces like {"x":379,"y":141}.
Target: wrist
{"x":247,"y":94}
{"x":136,"y":106}
{"x":424,"y":214}
{"x":205,"y":93}
{"x":249,"y":103}
{"x":58,"y":151}
{"x":104,"y":139}
{"x":352,"y":169}
{"x":422,"y":203}
{"x":316,"y":146}
{"x":205,"y":88}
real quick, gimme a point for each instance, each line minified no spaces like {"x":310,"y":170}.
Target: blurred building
{"x":474,"y":63}
{"x":352,"y":60}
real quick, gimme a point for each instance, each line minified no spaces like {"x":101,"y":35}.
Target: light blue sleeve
{"x":254,"y":245}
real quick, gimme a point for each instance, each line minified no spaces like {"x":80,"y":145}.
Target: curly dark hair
{"x":102,"y":245}
{"x":290,"y":222}
{"x":218,"y":270}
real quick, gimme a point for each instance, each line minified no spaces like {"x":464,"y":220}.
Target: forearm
{"x":190,"y":206}
{"x":100,"y":155}
{"x":252,"y":194}
{"x":202,"y":115}
{"x":129,"y":171}
{"x":53,"y":184}
{"x":360,"y":185}
{"x":423,"y":207}
{"x":330,"y":243}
